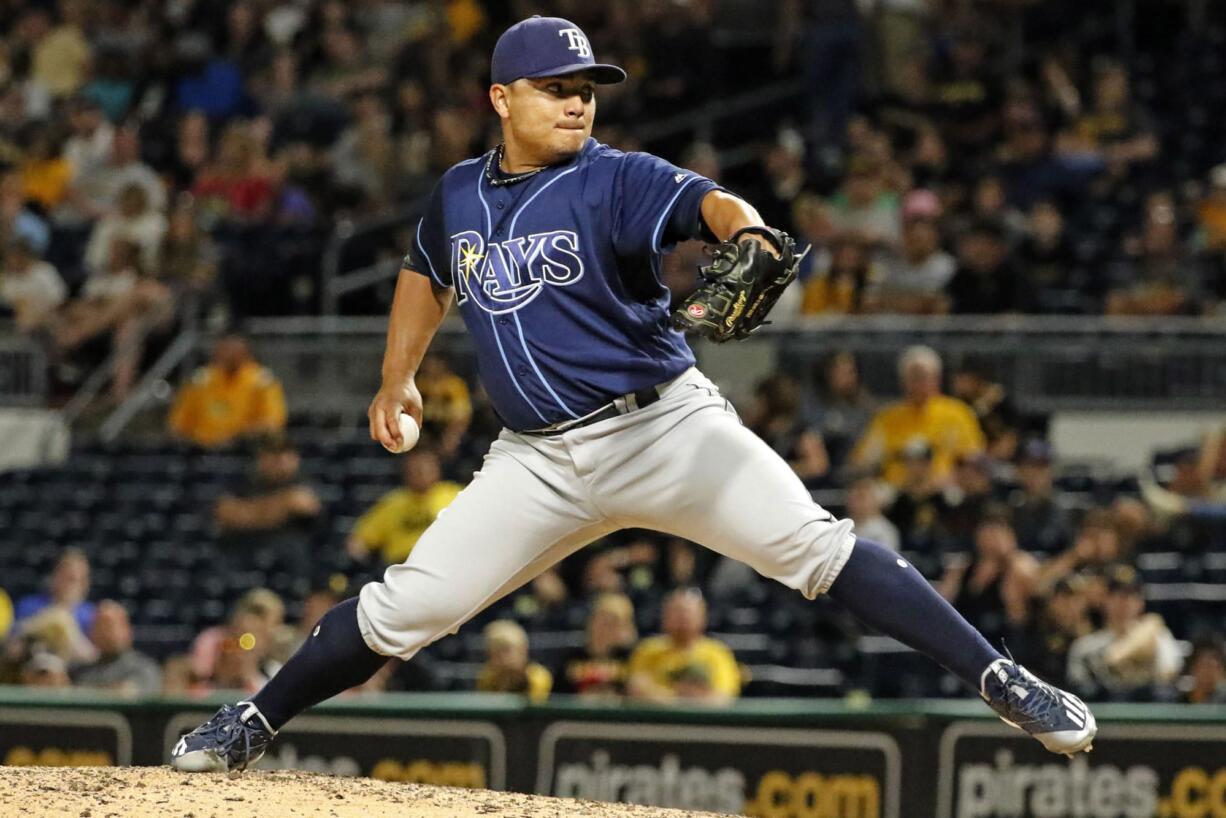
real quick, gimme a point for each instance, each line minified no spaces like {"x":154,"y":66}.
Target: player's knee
{"x":400,"y":625}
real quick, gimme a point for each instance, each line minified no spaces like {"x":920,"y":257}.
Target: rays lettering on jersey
{"x":505,"y":276}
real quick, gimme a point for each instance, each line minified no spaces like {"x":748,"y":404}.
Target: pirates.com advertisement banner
{"x":63,"y":738}
{"x":442,"y":752}
{"x":759,"y":772}
{"x":1135,"y":771}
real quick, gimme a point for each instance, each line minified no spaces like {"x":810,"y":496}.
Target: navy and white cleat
{"x":1058,"y":719}
{"x":234,"y":739}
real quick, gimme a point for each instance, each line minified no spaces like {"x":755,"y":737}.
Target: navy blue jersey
{"x":557,"y":276}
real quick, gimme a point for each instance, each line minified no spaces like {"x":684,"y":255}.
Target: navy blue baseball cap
{"x":547,"y":47}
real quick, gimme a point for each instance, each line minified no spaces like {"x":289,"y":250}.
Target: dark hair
{"x":995,"y":514}
{"x":274,"y":443}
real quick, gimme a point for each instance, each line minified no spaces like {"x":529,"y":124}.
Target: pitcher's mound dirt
{"x":128,"y":792}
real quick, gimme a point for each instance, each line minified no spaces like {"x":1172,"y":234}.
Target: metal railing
{"x":336,"y":282}
{"x":23,"y":371}
{"x":331,"y":364}
{"x":1047,"y":363}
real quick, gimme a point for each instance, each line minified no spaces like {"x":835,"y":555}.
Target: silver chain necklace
{"x":494,"y":160}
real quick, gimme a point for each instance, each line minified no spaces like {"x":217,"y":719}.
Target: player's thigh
{"x":513,"y":521}
{"x":711,"y":480}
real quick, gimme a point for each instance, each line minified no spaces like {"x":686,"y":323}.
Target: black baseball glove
{"x":740,"y":286}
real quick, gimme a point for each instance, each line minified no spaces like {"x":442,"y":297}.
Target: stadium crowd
{"x":941,"y":155}
{"x":165,"y":161}
{"x":961,"y":483}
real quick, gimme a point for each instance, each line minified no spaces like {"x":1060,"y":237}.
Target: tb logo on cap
{"x":576,"y":42}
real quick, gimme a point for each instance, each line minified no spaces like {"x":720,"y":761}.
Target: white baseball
{"x":409,"y":432}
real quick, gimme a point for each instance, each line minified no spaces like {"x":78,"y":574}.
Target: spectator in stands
{"x":784,"y":178}
{"x":542,"y":602}
{"x":30,"y":287}
{"x":919,"y":502}
{"x":994,"y":587}
{"x":682,"y":664}
{"x":17,"y":221}
{"x":191,"y":150}
{"x":1131,"y":653}
{"x":847,"y":284}
{"x":233,"y":397}
{"x":967,"y":499}
{"x":1160,"y":277}
{"x":865,"y":208}
{"x":237,"y":668}
{"x":393,"y":526}
{"x":123,"y":302}
{"x":88,"y":150}
{"x":815,"y":230}
{"x":1031,"y":171}
{"x":447,"y":405}
{"x":101,"y":191}
{"x":1211,"y":211}
{"x":916,"y":277}
{"x":966,"y":87}
{"x":1137,"y":528}
{"x":864,"y":508}
{"x":236,"y":185}
{"x":507,"y":668}
{"x":270,"y":518}
{"x":776,"y":418}
{"x":604,"y":566}
{"x":1046,"y":253}
{"x":188,"y":257}
{"x":841,"y":405}
{"x":989,"y":204}
{"x":54,"y":630}
{"x":45,"y":669}
{"x":599,"y":668}
{"x":1096,"y":547}
{"x":1116,"y":126}
{"x":6,"y":614}
{"x":946,"y":425}
{"x":1041,"y":522}
{"x":237,"y":654}
{"x":59,"y":63}
{"x":1000,"y":422}
{"x":929,"y":162}
{"x":363,"y":157}
{"x":1060,"y":619}
{"x":987,"y":281}
{"x":68,"y":590}
{"x":45,"y":172}
{"x":1195,"y":486}
{"x":132,"y":220}
{"x":1206,"y":674}
{"x":207,"y":82}
{"x":119,"y":667}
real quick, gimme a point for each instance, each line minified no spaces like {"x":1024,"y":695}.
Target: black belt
{"x":621,"y":405}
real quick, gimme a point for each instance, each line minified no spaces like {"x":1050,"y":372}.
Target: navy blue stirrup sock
{"x":886,"y":592}
{"x":333,"y":659}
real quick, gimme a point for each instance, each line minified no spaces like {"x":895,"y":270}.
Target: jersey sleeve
{"x":428,"y":253}
{"x":656,"y":204}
